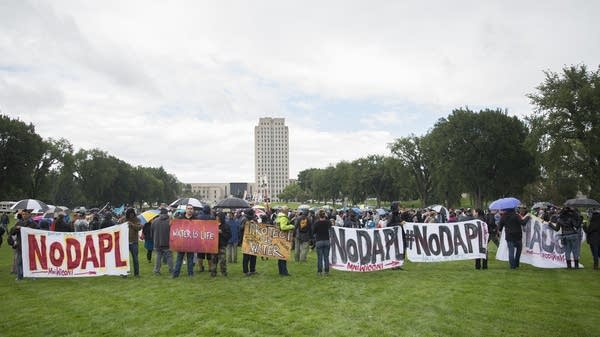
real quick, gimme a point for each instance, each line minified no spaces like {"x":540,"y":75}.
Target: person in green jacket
{"x":283,"y":221}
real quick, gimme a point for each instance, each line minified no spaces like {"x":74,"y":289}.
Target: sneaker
{"x":319,"y":274}
{"x":224,"y":273}
{"x":157,"y":273}
{"x":248,"y":274}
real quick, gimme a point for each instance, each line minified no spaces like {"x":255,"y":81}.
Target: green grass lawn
{"x":435,"y":299}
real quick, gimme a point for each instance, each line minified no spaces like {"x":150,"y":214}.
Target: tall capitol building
{"x":271,"y":157}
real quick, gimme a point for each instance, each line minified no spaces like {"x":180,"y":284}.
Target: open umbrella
{"x":440,"y":209}
{"x":505,"y":203}
{"x":185,"y":201}
{"x":303,"y":207}
{"x":30,"y":204}
{"x":148,"y":215}
{"x":580,"y":202}
{"x":542,"y":204}
{"x":232,"y":202}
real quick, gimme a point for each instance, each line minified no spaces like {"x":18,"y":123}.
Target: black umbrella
{"x":30,"y":204}
{"x":232,"y":202}
{"x":582,"y":202}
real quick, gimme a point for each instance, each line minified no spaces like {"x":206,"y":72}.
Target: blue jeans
{"x":160,"y":254}
{"x":572,"y":246}
{"x":514,"y":253}
{"x":133,"y":249}
{"x":179,"y":262}
{"x":19,"y":257}
{"x":323,"y":248}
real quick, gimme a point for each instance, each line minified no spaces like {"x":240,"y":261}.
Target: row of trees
{"x":50,"y":170}
{"x":550,"y":155}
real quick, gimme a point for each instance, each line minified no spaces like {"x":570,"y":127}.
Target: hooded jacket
{"x":160,"y":231}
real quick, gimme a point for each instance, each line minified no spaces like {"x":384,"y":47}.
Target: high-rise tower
{"x":271,"y":157}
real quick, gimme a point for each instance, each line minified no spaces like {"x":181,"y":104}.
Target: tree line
{"x":50,"y":170}
{"x":550,"y":155}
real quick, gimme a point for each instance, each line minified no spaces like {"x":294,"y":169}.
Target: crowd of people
{"x":310,"y":229}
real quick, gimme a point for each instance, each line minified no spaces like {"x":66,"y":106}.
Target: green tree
{"x":566,"y":123}
{"x":414,"y":154}
{"x":20,"y":152}
{"x":484,"y":152}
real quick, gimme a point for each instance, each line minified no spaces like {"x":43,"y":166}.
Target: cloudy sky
{"x":181,"y":84}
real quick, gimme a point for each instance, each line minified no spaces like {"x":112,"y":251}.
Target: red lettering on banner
{"x":73,"y":261}
{"x":89,"y":253}
{"x":119,"y":262}
{"x":35,"y":251}
{"x":74,"y":253}
{"x":105,"y":245}
{"x":54,"y":248}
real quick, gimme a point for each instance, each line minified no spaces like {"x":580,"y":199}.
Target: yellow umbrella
{"x":148,"y":215}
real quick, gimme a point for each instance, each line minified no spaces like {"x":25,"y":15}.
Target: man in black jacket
{"x":513,"y":234}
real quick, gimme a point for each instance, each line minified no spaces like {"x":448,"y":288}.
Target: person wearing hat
{"x":248,"y":261}
{"x":284,"y":224}
{"x":15,"y":232}
{"x":160,"y":234}
{"x":80,"y":224}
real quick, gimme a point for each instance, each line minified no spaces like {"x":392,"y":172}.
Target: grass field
{"x":435,"y":299}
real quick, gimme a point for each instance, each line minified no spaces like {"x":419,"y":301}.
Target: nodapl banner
{"x":436,"y":242}
{"x":364,"y":250}
{"x":79,"y":254}
{"x":541,"y":246}
{"x":194,"y":236}
{"x":268,"y":241}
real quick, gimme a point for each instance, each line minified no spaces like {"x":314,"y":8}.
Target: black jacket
{"x":593,"y":230}
{"x":514,"y":225}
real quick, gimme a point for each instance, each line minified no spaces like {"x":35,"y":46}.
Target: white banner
{"x":75,"y":254}
{"x":436,"y":242}
{"x":363,"y":250}
{"x":541,"y":246}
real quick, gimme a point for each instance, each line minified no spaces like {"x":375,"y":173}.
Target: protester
{"x":134,"y":227}
{"x":15,"y":233}
{"x":80,"y":224}
{"x":160,"y":234}
{"x":395,"y":219}
{"x":593,"y":236}
{"x":477,"y":214}
{"x":205,"y":214}
{"x":219,"y":258}
{"x":107,"y":220}
{"x":95,"y":223}
{"x":3,"y":226}
{"x":234,"y":221}
{"x":569,"y":221}
{"x":514,"y":234}
{"x":188,"y":215}
{"x":148,"y":239}
{"x":284,"y":225}
{"x":248,"y":261}
{"x":321,"y":231}
{"x":302,"y":236}
{"x":61,"y":225}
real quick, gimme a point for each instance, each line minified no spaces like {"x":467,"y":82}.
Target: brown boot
{"x":576,"y":264}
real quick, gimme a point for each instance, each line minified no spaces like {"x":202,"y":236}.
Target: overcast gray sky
{"x":181,"y":84}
